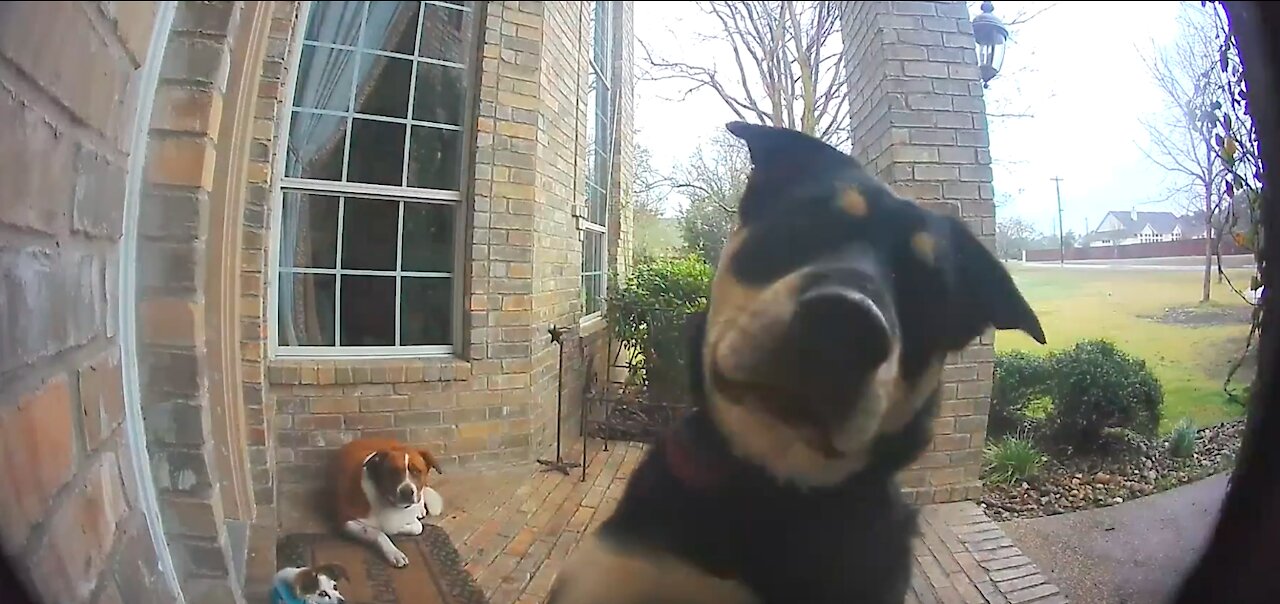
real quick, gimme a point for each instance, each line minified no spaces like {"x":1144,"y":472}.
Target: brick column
{"x":919,"y":123}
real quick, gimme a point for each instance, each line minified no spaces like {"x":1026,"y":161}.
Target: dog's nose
{"x":839,"y":329}
{"x":405,"y":493}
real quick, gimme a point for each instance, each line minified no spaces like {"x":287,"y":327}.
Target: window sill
{"x":348,"y":370}
{"x":590,"y":325}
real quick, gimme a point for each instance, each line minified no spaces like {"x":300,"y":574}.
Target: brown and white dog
{"x":381,"y":490}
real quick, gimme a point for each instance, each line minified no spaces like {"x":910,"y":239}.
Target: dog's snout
{"x":405,"y":493}
{"x":840,"y":327}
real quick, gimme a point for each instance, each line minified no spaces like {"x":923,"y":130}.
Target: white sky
{"x":1076,"y":67}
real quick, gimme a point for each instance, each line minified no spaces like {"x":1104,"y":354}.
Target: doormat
{"x":435,"y":574}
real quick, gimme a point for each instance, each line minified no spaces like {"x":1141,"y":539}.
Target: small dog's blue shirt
{"x":282,"y":593}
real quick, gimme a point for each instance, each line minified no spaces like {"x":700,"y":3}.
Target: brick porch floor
{"x":515,"y":526}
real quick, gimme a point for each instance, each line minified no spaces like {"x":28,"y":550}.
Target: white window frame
{"x":603,"y":76}
{"x":282,"y":184}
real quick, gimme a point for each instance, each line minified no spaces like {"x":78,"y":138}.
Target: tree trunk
{"x":1208,"y":241}
{"x":1208,"y":269}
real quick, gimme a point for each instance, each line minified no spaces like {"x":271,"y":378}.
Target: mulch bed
{"x":1138,"y":469}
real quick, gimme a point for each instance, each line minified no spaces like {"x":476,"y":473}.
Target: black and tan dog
{"x":818,"y":365}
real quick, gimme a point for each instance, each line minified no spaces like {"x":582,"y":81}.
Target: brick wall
{"x":496,"y":403}
{"x":919,"y":122}
{"x":70,"y":512}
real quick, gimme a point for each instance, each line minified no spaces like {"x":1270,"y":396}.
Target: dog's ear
{"x":771,"y":146}
{"x":984,"y":291}
{"x":431,"y":461}
{"x":376,"y":459}
{"x":307,"y":581}
{"x":787,"y":167}
{"x":334,"y":571}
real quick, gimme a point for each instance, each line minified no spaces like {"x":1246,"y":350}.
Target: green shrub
{"x":1182,"y":442}
{"x":1011,"y":460}
{"x":1019,"y":393}
{"x":648,"y":315}
{"x":1097,"y":386}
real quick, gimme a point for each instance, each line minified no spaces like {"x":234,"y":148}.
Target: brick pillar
{"x":919,"y":123}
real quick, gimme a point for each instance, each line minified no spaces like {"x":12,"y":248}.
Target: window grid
{"x":599,"y":162}
{"x":402,"y":195}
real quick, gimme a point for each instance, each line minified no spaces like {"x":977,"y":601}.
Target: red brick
{"x":82,"y":529}
{"x":101,"y":398}
{"x":187,"y":162}
{"x":134,"y":22}
{"x":37,"y":442}
{"x":171,"y":321}
{"x":188,"y":110}
{"x":36,"y":161}
{"x":318,"y":422}
{"x":80,"y":69}
{"x":358,"y":421}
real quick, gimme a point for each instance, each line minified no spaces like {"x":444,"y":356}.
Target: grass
{"x":1190,"y":361}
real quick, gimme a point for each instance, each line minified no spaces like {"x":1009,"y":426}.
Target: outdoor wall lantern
{"x":990,"y":34}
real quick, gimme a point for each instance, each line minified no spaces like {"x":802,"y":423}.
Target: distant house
{"x":1127,"y":228}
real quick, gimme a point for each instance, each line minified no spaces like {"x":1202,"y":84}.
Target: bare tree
{"x":712,"y":179}
{"x":786,"y":67}
{"x":1013,"y":236}
{"x":1182,"y":139}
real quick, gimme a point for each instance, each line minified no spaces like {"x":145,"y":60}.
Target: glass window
{"x":600,"y":133}
{"x":374,"y":162}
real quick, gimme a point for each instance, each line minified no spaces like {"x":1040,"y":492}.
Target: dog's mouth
{"x":808,"y":368}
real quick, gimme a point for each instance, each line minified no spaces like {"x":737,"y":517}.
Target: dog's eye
{"x":323,"y":594}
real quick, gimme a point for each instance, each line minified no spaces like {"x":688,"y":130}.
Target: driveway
{"x":1132,"y":553}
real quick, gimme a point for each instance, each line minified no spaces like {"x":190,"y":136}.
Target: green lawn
{"x":1190,"y":360}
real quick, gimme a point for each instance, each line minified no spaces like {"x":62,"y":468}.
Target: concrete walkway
{"x":1132,"y":553}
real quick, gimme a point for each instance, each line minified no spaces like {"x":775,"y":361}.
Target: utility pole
{"x":1062,"y":238}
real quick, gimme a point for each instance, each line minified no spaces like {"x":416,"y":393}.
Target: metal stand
{"x":559,"y":464}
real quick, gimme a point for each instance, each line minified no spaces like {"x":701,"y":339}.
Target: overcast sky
{"x":1076,"y":67}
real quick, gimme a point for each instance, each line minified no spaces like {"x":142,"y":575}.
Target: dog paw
{"x":397,"y":558}
{"x":432,"y":501}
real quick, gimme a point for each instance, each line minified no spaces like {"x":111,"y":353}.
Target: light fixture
{"x":990,"y":34}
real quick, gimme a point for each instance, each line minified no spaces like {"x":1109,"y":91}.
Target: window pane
{"x":446,"y":34}
{"x":316,"y":144}
{"x":384,"y":85}
{"x":309,"y":230}
{"x":306,"y":310}
{"x":428,"y":238}
{"x":391,"y":26}
{"x":368,"y":311}
{"x":426,"y":308}
{"x":369,"y":229}
{"x":435,"y":158}
{"x":596,"y":204}
{"x":592,"y":102}
{"x":324,"y":78}
{"x":591,"y":291}
{"x":440,"y":94}
{"x":601,"y":50}
{"x":592,"y":251}
{"x":335,"y":22}
{"x":377,"y":152}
